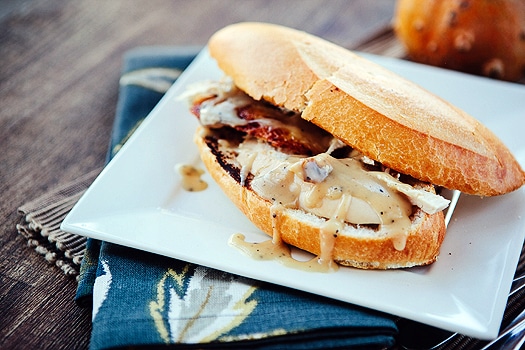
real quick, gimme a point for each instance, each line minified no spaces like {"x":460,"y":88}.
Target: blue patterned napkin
{"x":143,"y":299}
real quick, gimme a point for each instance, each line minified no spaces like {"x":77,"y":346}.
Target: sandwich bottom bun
{"x":357,"y":246}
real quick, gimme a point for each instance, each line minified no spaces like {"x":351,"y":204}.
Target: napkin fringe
{"x":40,"y":225}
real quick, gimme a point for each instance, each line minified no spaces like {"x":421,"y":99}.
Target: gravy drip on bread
{"x":297,"y":166}
{"x":277,"y":249}
{"x":268,"y":250}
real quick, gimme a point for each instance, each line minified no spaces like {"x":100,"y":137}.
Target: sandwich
{"x":328,"y":152}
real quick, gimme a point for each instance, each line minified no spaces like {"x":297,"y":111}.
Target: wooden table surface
{"x":59,"y":71}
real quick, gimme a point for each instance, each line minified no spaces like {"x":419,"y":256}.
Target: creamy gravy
{"x":191,"y":178}
{"x":339,"y":190}
{"x":268,"y":250}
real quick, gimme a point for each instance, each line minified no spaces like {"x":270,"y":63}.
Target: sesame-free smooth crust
{"x":384,"y":116}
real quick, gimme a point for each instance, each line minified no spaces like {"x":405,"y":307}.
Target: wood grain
{"x":60,"y":64}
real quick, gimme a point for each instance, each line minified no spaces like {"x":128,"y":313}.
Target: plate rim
{"x":483,"y":331}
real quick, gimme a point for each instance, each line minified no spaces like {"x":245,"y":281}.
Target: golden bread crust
{"x":363,"y":248}
{"x":386,"y":117}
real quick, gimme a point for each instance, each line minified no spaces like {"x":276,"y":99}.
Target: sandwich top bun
{"x":384,"y":116}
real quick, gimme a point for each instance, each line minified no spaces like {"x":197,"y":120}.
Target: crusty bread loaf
{"x":360,"y":247}
{"x":387,"y":118}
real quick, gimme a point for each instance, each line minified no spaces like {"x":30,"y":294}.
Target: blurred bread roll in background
{"x":483,"y":37}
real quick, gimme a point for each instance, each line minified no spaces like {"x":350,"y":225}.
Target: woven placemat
{"x":40,"y":225}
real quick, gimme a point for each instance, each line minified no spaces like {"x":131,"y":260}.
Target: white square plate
{"x":137,"y":201}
